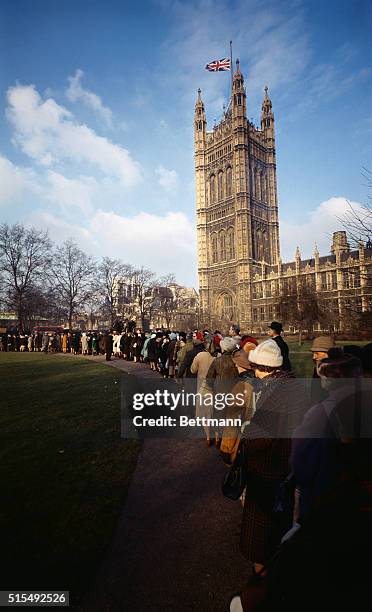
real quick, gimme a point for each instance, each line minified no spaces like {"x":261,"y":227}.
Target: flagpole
{"x":231,"y":66}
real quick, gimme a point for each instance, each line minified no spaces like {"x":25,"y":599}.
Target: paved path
{"x":176,"y":545}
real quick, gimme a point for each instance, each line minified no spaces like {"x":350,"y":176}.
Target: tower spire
{"x":267,"y":116}
{"x":238,"y":93}
{"x":200,"y":122}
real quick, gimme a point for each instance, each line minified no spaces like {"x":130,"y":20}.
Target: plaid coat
{"x":281,"y":405}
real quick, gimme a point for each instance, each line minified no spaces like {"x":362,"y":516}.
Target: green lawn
{"x":64,"y":470}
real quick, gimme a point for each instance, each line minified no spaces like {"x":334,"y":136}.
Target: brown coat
{"x":222,"y":374}
{"x":231,"y":435}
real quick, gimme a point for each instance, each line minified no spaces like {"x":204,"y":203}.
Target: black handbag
{"x":235,"y":479}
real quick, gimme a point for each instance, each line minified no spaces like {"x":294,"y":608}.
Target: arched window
{"x":228,"y":181}
{"x":220,"y":185}
{"x":230,"y":244}
{"x":213,"y":188}
{"x":224,"y":307}
{"x":214,"y":248}
{"x":222,"y":238}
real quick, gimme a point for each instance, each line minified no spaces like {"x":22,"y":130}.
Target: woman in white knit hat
{"x":280,"y":407}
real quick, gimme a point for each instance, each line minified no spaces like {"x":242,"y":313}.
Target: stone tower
{"x":236,"y":206}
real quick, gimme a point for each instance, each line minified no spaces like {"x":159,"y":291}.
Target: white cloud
{"x":60,"y":230}
{"x":77,"y":93}
{"x":163,"y":244}
{"x":76,"y":193}
{"x":14,"y":182}
{"x":317,"y":227}
{"x":167,"y":179}
{"x":48,"y":134}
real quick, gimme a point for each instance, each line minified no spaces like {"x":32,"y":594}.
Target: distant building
{"x":241,"y":275}
{"x":173,"y":307}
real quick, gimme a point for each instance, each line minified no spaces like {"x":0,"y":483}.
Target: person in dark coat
{"x":332,"y":464}
{"x":185,"y":367}
{"x":275,"y":331}
{"x":153,"y":349}
{"x":101,"y":343}
{"x":172,"y":354}
{"x":76,"y":343}
{"x":127,"y":343}
{"x":139,"y":345}
{"x":281,"y":405}
{"x":108,"y":344}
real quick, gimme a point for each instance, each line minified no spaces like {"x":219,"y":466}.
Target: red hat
{"x":199,"y":336}
{"x":249,"y":339}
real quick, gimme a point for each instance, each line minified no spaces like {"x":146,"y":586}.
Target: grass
{"x":63,"y":467}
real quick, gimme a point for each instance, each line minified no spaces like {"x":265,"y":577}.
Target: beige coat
{"x":200,"y":366}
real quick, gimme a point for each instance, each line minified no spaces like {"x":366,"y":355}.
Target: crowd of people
{"x":304,"y":446}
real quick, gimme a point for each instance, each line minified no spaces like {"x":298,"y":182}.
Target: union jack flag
{"x":219,"y":65}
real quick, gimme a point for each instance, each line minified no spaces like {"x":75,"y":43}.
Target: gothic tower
{"x":236,"y":206}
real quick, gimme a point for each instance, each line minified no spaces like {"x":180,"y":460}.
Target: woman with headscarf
{"x":222,"y":376}
{"x":203,"y":406}
{"x":243,"y":388}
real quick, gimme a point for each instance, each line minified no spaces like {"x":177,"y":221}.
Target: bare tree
{"x":358,"y":221}
{"x":112,"y":274}
{"x":298,"y":306}
{"x":144,"y":282}
{"x":24,"y":253}
{"x":73,"y":276}
{"x":168,"y":294}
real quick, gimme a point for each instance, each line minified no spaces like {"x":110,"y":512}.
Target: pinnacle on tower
{"x":200,"y":122}
{"x":238,"y":80}
{"x":239,"y":95}
{"x":267,"y":115}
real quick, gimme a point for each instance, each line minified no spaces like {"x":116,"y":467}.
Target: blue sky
{"x":97,"y":98}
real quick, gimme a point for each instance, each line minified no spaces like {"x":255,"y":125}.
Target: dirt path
{"x":176,"y":545}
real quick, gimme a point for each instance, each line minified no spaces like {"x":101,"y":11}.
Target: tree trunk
{"x":20,"y":314}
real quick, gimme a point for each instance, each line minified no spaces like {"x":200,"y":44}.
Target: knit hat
{"x":199,"y":335}
{"x":172,"y":336}
{"x":267,"y":354}
{"x":228,"y":344}
{"x":153,"y":335}
{"x":250,"y":339}
{"x":323,"y":344}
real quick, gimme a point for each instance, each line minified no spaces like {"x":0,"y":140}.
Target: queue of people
{"x":307,"y":499}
